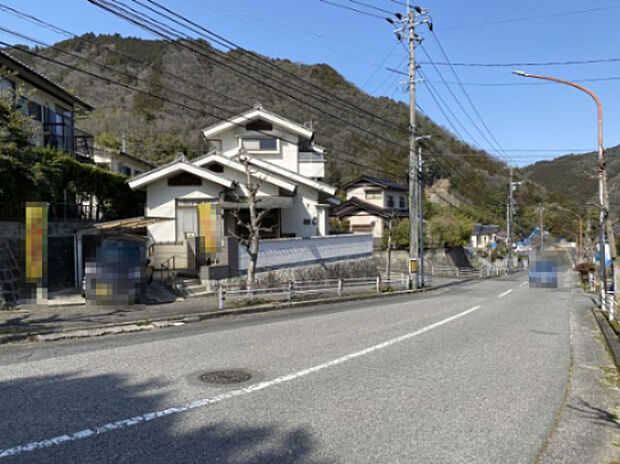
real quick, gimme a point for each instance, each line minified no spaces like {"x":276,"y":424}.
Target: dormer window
{"x":264,"y":145}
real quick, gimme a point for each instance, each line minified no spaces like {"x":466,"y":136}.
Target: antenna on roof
{"x":258,"y":106}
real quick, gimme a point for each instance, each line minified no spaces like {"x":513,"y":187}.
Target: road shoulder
{"x":586,"y":429}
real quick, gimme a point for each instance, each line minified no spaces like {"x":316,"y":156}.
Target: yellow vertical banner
{"x":36,"y":242}
{"x":207,"y":227}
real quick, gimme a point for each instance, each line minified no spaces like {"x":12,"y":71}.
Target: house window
{"x":185,"y":178}
{"x":124,"y":170}
{"x":401,"y":202}
{"x":7,"y":88}
{"x":390,"y":201}
{"x":372,"y":194}
{"x":35,"y":111}
{"x":262,"y":144}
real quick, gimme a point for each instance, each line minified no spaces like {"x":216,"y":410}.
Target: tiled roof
{"x":485,"y":229}
{"x":379,"y":182}
{"x":355,"y":205}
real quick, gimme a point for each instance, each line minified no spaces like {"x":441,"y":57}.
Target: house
{"x":51,"y":107}
{"x":483,"y":236}
{"x":120,"y":162}
{"x":285,"y":163}
{"x":370,"y":203}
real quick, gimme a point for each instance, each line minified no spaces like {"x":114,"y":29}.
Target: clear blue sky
{"x":530,"y":122}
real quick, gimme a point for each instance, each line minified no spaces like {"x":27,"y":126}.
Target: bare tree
{"x":253,"y":224}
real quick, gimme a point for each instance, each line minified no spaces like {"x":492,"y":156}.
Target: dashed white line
{"x":80,"y":435}
{"x":523,"y":284}
{"x":502,"y":295}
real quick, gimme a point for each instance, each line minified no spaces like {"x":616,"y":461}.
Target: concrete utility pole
{"x":420,"y":216}
{"x":509,"y":225}
{"x":415,"y":17}
{"x":413,"y":162}
{"x":542,"y":229}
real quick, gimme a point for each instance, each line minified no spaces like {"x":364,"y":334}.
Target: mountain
{"x":155,"y":128}
{"x":573,"y":179}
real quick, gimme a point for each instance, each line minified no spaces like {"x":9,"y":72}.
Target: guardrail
{"x":472,"y":272}
{"x":303,"y":288}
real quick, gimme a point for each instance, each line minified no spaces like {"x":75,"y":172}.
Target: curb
{"x":611,"y":338}
{"x":169,"y":321}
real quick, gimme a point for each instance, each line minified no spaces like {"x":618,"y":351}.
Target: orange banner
{"x":207,"y":227}
{"x":36,"y":241}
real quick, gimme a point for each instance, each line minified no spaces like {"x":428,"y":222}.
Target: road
{"x":470,"y":374}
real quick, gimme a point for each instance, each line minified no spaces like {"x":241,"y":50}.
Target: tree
{"x":253,"y":224}
{"x":449,"y":230}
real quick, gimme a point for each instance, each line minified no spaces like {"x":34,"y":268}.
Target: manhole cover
{"x":225,"y":377}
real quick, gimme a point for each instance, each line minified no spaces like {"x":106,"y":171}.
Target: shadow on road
{"x":39,"y":408}
{"x":597,"y":415}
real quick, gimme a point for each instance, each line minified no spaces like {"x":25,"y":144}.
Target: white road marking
{"x":502,"y":295}
{"x":523,"y":284}
{"x":79,"y":435}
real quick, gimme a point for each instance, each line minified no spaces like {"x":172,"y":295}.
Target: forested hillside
{"x":183,"y":92}
{"x":573,"y":178}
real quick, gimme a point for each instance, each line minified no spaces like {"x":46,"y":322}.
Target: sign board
{"x":36,"y":242}
{"x":413,"y":265}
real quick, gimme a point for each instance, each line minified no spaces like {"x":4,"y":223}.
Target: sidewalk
{"x":47,"y":323}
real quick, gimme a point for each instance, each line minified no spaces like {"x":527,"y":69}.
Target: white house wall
{"x":161,"y":202}
{"x":365,"y":220}
{"x":287,"y":156}
{"x":304,"y":207}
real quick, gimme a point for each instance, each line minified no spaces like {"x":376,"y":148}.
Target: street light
{"x":602,"y":182}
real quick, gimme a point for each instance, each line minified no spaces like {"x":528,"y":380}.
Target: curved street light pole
{"x":602,"y":183}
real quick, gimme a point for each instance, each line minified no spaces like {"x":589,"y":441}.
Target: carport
{"x":126,"y":226}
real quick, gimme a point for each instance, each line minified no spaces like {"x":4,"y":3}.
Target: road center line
{"x":109,"y":427}
{"x":502,"y":295}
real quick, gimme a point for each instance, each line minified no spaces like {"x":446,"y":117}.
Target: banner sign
{"x":36,"y":241}
{"x":207,"y":227}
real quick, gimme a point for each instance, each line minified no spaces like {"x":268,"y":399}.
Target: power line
{"x":345,"y":7}
{"x":530,"y":63}
{"x":146,"y":22}
{"x":175,"y":103}
{"x":471,"y":103}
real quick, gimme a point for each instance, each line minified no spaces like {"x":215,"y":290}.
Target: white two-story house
{"x":371,"y":202}
{"x":285,"y":162}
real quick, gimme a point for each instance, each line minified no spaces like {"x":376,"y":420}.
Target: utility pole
{"x":408,"y":25}
{"x":421,"y":216}
{"x":542,"y":229}
{"x":413,"y":162}
{"x":509,"y":216}
{"x":509,"y":225}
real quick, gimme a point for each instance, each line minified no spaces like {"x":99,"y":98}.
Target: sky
{"x":517,"y":119}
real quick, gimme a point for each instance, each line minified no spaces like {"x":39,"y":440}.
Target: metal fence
{"x":299,"y":290}
{"x":469,"y":272}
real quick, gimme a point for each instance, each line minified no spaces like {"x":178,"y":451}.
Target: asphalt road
{"x":470,"y":374}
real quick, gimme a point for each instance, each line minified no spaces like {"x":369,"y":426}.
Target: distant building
{"x":51,"y":107}
{"x":120,"y":162}
{"x":370,"y":202}
{"x":483,"y":236}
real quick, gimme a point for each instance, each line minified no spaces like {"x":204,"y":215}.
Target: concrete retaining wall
{"x":364,"y":267}
{"x":286,"y":253}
